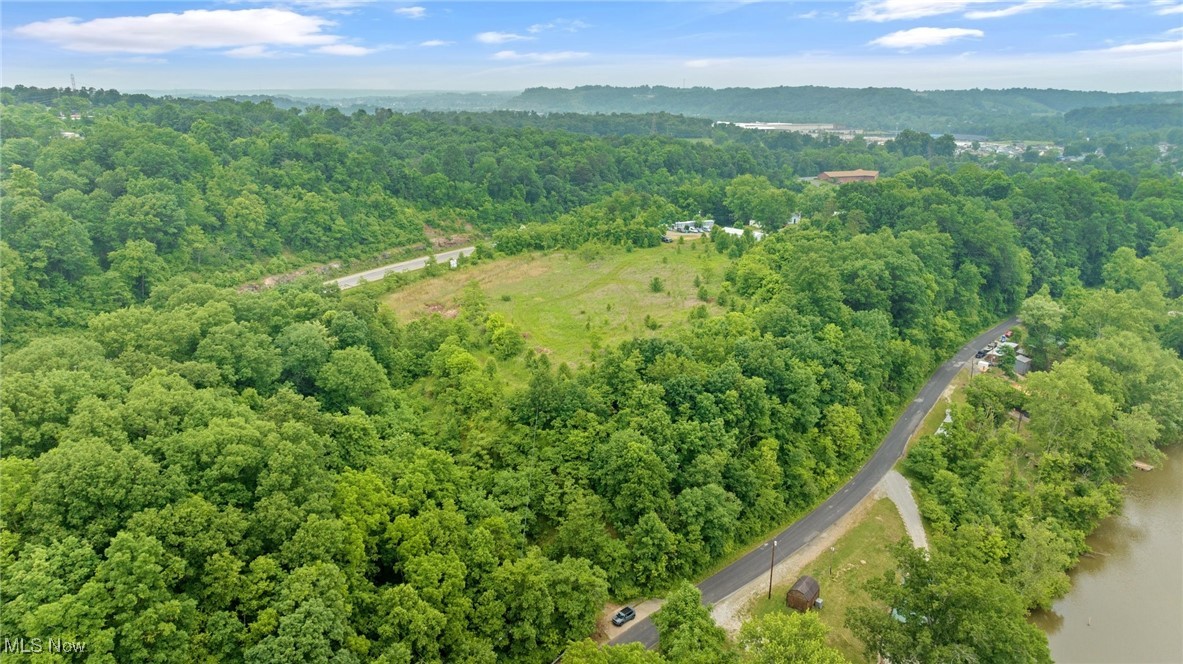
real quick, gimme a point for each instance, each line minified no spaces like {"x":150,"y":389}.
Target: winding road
{"x":789,"y":541}
{"x":349,"y":281}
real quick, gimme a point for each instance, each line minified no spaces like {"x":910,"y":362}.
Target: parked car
{"x":666,"y":239}
{"x":980,"y":353}
{"x":624,"y":615}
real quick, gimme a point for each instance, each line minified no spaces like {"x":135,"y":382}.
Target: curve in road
{"x":349,"y":281}
{"x":789,"y":541}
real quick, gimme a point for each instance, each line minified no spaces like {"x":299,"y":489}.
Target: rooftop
{"x":850,"y":174}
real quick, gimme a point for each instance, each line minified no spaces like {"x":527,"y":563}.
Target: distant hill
{"x":988,"y":112}
{"x":399,"y":102}
{"x":1021,"y":113}
{"x":1142,"y":116}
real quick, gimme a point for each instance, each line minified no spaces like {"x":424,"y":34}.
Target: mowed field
{"x":568,"y":305}
{"x":863,"y":553}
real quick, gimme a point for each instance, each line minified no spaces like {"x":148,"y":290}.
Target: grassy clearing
{"x":858,"y":556}
{"x":569,"y":305}
{"x":933,"y":420}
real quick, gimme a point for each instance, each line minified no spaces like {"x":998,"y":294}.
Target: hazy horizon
{"x":344,"y":45}
{"x":352,"y":93}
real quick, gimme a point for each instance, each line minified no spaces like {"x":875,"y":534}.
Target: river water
{"x":1126,"y":602}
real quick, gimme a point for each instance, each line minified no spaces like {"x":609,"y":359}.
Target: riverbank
{"x":1126,"y":602}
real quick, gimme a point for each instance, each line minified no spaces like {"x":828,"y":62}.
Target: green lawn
{"x":933,"y":420}
{"x":568,"y":305}
{"x":859,"y":555}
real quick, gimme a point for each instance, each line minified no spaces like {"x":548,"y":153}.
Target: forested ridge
{"x":139,"y":189}
{"x":1011,"y":113}
{"x":196,"y":473}
{"x":1017,"y":113}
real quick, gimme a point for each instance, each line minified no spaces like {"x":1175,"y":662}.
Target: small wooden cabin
{"x":803,"y":594}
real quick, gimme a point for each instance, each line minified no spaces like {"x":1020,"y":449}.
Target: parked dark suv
{"x":624,"y":615}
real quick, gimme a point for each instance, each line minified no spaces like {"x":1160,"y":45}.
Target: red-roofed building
{"x":842,"y":177}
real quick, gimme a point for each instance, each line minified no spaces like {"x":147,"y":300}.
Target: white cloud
{"x":500,"y":37}
{"x":1148,"y":47}
{"x":255,"y":51}
{"x":436,"y":42}
{"x":808,"y":14}
{"x":411,"y":12}
{"x":195,"y":28}
{"x":566,"y":25}
{"x":551,"y":56}
{"x":922,"y":37}
{"x":1021,"y":8}
{"x":348,"y":50}
{"x":1173,"y":9}
{"x":895,"y":10}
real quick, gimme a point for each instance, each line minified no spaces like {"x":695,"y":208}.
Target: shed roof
{"x":806,"y":586}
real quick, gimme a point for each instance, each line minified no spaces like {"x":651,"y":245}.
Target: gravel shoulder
{"x":897,"y":488}
{"x":731,"y":612}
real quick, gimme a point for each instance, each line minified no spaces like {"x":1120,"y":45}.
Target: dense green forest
{"x":140,"y":189}
{"x":192,"y":472}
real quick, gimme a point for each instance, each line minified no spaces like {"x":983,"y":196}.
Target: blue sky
{"x":1115,"y":45}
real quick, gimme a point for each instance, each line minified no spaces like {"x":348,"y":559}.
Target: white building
{"x":693,"y":226}
{"x":759,"y":235}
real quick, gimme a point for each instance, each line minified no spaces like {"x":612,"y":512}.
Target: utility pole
{"x":771,"y":565}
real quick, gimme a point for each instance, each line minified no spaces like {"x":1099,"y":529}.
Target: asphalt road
{"x":406,"y":266}
{"x":789,"y":541}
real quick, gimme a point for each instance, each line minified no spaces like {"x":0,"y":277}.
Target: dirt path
{"x":445,"y":258}
{"x":608,"y":631}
